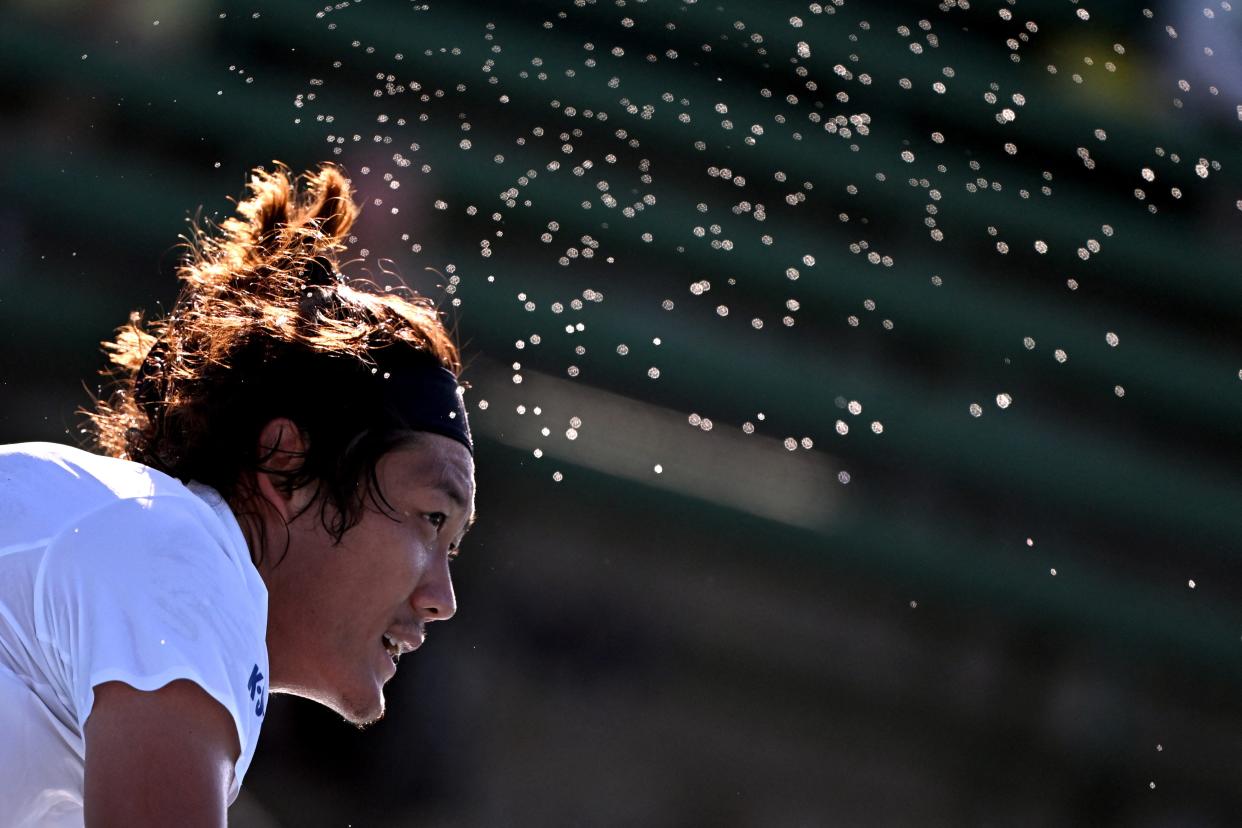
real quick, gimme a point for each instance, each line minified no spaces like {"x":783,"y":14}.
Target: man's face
{"x":338,"y":614}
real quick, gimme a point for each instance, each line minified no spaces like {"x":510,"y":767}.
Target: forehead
{"x":432,"y":461}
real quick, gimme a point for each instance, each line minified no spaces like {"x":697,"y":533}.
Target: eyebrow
{"x":455,"y":493}
{"x":453,"y":490}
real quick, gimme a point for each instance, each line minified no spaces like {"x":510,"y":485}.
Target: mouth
{"x":397,"y":646}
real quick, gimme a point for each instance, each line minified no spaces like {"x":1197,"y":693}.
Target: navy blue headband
{"x":425,"y":395}
{"x":427,"y":398}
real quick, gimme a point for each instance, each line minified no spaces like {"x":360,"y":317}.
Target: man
{"x":285,"y":472}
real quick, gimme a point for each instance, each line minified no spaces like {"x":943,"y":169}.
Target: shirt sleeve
{"x":144,"y":592}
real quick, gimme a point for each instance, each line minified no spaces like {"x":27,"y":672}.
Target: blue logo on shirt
{"x":256,"y":689}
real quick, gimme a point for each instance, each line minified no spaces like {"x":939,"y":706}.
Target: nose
{"x":434,"y":599}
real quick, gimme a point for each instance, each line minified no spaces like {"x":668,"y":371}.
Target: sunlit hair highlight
{"x":264,"y":327}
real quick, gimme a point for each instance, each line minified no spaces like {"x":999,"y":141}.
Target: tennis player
{"x":282,"y":476}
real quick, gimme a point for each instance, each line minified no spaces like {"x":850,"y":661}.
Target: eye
{"x":436,"y":519}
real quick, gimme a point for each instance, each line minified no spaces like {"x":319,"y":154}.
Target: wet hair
{"x":266,"y":327}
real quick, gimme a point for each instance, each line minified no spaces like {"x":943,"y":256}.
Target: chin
{"x":361,"y":710}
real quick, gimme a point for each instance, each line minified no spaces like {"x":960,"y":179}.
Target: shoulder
{"x":105,"y":510}
{"x":164,"y":559}
{"x":153,"y":589}
{"x":148,"y":531}
{"x":45,"y":486}
{"x":137,"y":560}
{"x":56,"y":462}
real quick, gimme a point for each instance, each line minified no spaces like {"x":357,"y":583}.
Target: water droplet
{"x":976,"y":410}
{"x":1003,"y":400}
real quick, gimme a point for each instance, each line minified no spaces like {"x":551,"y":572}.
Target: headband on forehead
{"x":406,"y":381}
{"x":427,"y":398}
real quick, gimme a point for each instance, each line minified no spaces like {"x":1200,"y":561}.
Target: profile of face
{"x":339,"y":615}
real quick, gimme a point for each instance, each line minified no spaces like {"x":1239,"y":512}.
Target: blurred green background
{"x":1026,"y":617}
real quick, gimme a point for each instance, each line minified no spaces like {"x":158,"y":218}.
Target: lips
{"x":398,"y":644}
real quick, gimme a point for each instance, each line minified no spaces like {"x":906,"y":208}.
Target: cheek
{"x":404,"y":561}
{"x":372,"y":564}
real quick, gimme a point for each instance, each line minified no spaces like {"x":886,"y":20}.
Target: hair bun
{"x":319,"y":272}
{"x":261,"y":296}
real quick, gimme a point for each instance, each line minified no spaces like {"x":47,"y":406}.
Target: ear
{"x":282,"y":448}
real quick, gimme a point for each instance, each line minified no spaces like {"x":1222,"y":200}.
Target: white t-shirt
{"x":110,"y":571}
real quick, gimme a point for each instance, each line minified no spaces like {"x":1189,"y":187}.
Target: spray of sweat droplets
{"x":833,"y":165}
